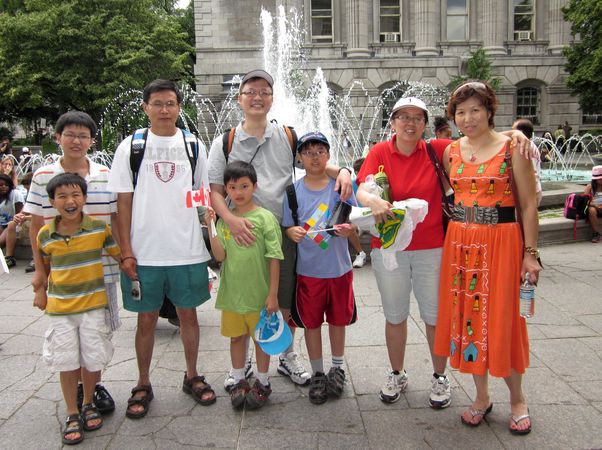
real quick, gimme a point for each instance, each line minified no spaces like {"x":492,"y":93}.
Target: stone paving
{"x":563,"y":385}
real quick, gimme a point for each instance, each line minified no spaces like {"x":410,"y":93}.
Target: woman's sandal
{"x":480,"y":413}
{"x":73,"y":424}
{"x":89,"y":412}
{"x":197,"y":392}
{"x":516,"y":420}
{"x":142,"y":401}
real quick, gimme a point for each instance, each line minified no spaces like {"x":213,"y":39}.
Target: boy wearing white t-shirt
{"x":163,"y":252}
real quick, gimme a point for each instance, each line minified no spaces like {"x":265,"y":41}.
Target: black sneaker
{"x":595,"y":239}
{"x":317,"y":389}
{"x":31,"y":267}
{"x":103,"y":400}
{"x":10,"y":261}
{"x":336,"y":381}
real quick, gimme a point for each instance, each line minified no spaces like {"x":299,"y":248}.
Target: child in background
{"x":11,"y":203}
{"x":19,"y":226}
{"x":77,"y":341}
{"x":324,"y":272}
{"x":249,"y":281}
{"x":594,"y":210}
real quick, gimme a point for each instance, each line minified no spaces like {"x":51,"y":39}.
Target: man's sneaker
{"x":10,"y":261}
{"x":230,"y":381}
{"x":596,"y":237}
{"x":31,"y":267}
{"x":317,"y":389}
{"x":395,"y":385}
{"x":336,"y":381}
{"x":238,"y":393}
{"x":103,"y":400}
{"x":258,"y":395}
{"x":359,"y":260}
{"x":440,"y":393}
{"x":292,"y":368}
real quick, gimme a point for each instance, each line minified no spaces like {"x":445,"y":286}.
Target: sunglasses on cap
{"x":473,"y":85}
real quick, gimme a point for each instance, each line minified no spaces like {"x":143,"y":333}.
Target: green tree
{"x":478,"y":67}
{"x":584,"y":56}
{"x":79,"y":54}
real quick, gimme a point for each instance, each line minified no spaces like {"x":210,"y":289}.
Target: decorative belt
{"x":483,"y":215}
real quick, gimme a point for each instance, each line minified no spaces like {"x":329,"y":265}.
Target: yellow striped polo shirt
{"x":76,"y":283}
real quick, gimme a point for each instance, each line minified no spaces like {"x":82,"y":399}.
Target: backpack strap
{"x":137,"y":148}
{"x":227,"y":142}
{"x":291,"y":196}
{"x":191,"y":145}
{"x":291,"y":134}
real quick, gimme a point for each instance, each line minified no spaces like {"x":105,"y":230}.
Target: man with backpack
{"x":270,"y":148}
{"x":163,"y":252}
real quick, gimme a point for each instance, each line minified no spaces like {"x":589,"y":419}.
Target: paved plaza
{"x":563,"y":385}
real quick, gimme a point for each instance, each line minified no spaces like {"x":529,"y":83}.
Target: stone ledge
{"x":560,"y":230}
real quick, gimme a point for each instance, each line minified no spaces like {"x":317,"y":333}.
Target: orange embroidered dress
{"x":479,"y":326}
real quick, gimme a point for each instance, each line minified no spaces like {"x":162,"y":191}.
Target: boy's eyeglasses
{"x":73,"y":137}
{"x":316,"y":154}
{"x":252,"y":93}
{"x":161,"y":105}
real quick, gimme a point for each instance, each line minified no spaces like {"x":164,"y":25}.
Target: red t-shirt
{"x":411,"y":176}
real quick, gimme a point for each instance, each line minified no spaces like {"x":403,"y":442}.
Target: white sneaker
{"x":229,"y":382}
{"x":359,"y":260}
{"x":395,"y":385}
{"x":292,"y":368}
{"x":440,"y":392}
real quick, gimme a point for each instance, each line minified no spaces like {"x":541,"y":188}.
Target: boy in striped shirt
{"x":74,"y":133}
{"x":77,"y":341}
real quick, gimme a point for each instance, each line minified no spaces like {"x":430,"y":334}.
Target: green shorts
{"x":186,"y":286}
{"x":288,"y":278}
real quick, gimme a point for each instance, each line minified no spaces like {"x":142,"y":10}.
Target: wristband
{"x":347,"y":169}
{"x":128,"y":257}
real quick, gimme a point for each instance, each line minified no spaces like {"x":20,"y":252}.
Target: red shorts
{"x":317,"y":297}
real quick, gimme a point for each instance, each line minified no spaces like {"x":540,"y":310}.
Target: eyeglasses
{"x":252,"y":93}
{"x":404,"y":118}
{"x":161,"y":105}
{"x":471,"y":84}
{"x":73,"y":137}
{"x":317,"y":154}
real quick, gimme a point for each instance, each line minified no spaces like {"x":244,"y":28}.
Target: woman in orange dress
{"x":485,"y":258}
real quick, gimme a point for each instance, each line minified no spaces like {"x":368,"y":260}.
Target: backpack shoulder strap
{"x":291,"y":196}
{"x":291,"y":134}
{"x":191,"y":145}
{"x":227,"y":142}
{"x":137,"y":147}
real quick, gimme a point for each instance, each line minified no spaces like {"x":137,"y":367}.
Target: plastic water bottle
{"x":527,"y":298}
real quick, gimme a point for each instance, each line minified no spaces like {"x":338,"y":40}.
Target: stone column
{"x":357,"y":29}
{"x":494,"y":27}
{"x":559,"y":31}
{"x":426,"y":27}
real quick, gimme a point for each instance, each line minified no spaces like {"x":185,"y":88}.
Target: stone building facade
{"x":381,"y":42}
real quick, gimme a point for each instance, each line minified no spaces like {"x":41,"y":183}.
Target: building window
{"x":321,"y":21}
{"x":389,"y":97}
{"x":457,"y":20}
{"x":524,"y":12}
{"x":592,"y":117}
{"x":527,"y":104}
{"x":390,"y":19}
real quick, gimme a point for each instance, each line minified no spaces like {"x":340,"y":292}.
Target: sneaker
{"x":238,"y":393}
{"x":359,"y":260}
{"x":336,"y":381}
{"x":258,"y":395}
{"x":10,"y":261}
{"x":230,"y":381}
{"x":440,"y":392}
{"x":292,"y":368}
{"x":175,"y":321}
{"x":395,"y":385}
{"x":103,"y":400}
{"x":318,"y":393}
{"x":595,"y":238}
{"x":31,"y":267}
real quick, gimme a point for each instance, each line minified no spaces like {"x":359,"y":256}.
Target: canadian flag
{"x":198,"y":198}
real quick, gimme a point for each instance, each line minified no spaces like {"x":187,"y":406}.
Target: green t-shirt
{"x":245,"y":276}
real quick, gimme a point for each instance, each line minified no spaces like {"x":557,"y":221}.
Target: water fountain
{"x":570,"y":160}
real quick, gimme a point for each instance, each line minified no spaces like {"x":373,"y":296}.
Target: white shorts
{"x":78,"y":340}
{"x":417,"y":270}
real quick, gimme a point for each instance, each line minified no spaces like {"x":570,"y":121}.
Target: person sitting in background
{"x":19,"y":226}
{"x":594,"y":210}
{"x":11,"y":203}
{"x":442,"y":128}
{"x":7,"y":166}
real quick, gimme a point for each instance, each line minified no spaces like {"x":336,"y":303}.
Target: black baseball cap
{"x":314,"y":136}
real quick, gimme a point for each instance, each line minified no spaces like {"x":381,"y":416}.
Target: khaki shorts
{"x":235,"y":324}
{"x":78,"y":340}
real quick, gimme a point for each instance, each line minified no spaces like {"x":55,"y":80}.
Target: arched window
{"x":528,"y":104}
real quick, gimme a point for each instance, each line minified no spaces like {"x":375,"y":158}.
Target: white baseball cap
{"x":407,"y":102}
{"x":25,"y":150}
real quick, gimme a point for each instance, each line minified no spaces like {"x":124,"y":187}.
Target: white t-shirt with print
{"x":164,"y":232}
